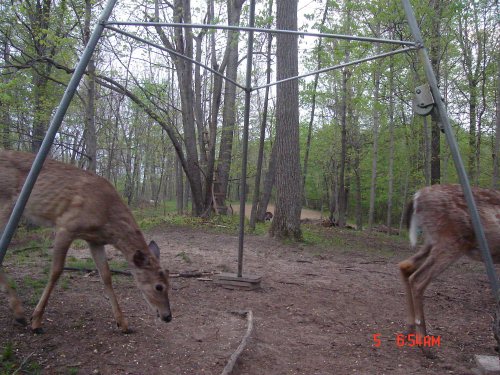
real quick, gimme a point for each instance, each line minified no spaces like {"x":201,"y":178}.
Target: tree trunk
{"x":90,"y":129}
{"x":268,"y":186}
{"x":229,"y":111}
{"x":286,"y":221}
{"x":391,"y":144}
{"x":376,"y":125}
{"x":495,"y":179}
{"x":183,"y":41}
{"x":260,"y":156}
{"x":435,"y":56}
{"x":341,"y":193}
{"x":179,"y":187}
{"x":5,"y":119}
{"x":313,"y":109}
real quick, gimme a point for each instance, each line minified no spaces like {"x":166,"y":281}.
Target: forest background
{"x":161,"y":128}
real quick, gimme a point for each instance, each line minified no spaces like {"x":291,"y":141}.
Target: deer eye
{"x":159,"y":287}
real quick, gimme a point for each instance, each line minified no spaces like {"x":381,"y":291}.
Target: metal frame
{"x":406,"y":46}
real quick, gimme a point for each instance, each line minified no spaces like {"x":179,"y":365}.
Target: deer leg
{"x":407,"y":268}
{"x":61,"y":245}
{"x":101,"y":262}
{"x":441,"y":257}
{"x":14,"y":301}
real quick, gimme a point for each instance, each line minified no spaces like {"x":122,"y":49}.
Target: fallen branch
{"x":191,"y":274}
{"x":89,"y":270}
{"x":234,"y":357}
{"x":186,"y":274}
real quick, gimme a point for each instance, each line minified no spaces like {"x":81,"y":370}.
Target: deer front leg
{"x":101,"y":262}
{"x":407,"y":268}
{"x":61,"y":245}
{"x":14,"y":301}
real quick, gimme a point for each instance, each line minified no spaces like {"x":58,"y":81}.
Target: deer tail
{"x":412,"y":220}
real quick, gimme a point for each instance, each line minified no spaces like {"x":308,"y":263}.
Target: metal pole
{"x":180,"y":55}
{"x":262,"y":30}
{"x":17,"y":212}
{"x":246,"y":124}
{"x":324,"y":70}
{"x":446,"y":127}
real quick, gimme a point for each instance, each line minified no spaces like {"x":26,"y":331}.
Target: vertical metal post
{"x":446,"y":127}
{"x":246,"y":124}
{"x":17,"y":212}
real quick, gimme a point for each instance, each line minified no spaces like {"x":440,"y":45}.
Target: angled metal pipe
{"x":355,"y":62}
{"x":262,"y":30}
{"x":180,"y":55}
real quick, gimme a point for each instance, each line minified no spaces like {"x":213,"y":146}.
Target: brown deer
{"x":441,"y":213}
{"x":80,"y":204}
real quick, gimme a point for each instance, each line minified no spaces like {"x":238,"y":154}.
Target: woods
{"x":346,"y":142}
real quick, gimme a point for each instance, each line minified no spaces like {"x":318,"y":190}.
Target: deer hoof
{"x":428,"y":353}
{"x":411,"y":328}
{"x":124,"y":328}
{"x":38,"y":331}
{"x":22,"y":321}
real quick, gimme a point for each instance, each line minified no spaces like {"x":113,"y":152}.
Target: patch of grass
{"x":118,"y":265}
{"x":9,"y":364}
{"x":7,"y":360}
{"x":80,"y":262}
{"x":8,"y":352}
{"x":73,"y":370}
{"x":88,"y":263}
{"x":37,"y":286}
{"x":79,"y":244}
{"x":184,"y":257}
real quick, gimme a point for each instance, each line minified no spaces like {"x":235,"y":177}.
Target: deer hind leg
{"x":407,"y":268}
{"x":441,"y":256}
{"x":62,"y":242}
{"x":101,"y":262}
{"x":14,"y":302}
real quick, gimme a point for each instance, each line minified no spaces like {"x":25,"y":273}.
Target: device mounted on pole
{"x":423,"y":103}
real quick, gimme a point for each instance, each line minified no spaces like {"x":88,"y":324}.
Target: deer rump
{"x":441,"y":215}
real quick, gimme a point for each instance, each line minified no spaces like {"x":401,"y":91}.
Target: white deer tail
{"x":413,"y":222}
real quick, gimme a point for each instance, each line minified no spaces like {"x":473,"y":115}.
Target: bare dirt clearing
{"x":316,"y":313}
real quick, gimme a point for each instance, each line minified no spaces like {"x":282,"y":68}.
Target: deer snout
{"x":166,"y":317}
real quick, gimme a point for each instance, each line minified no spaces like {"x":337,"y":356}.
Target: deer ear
{"x":139,"y":259}
{"x":154,"y":249}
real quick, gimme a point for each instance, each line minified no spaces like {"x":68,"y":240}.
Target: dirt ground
{"x":316,"y":312}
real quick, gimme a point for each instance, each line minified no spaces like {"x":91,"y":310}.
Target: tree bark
{"x":313,"y":109}
{"x":260,"y":156}
{"x":391,"y":144}
{"x":90,"y":129}
{"x":268,"y":186}
{"x":376,"y":125}
{"x":495,"y":180}
{"x":286,"y":221}
{"x":435,"y":56}
{"x":229,"y":111}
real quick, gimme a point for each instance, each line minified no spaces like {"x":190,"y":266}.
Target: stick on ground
{"x":234,"y":357}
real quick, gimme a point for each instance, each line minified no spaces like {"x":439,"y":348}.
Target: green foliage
{"x":9,"y":364}
{"x":185,"y":257}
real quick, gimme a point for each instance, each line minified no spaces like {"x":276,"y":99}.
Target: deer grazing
{"x":441,"y":213}
{"x":81,"y":205}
